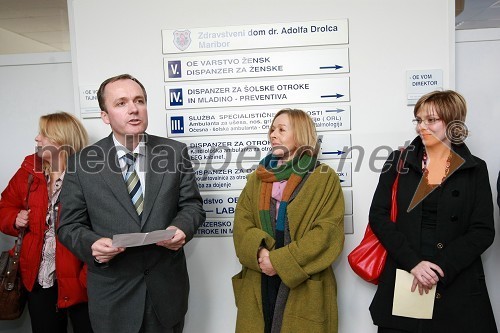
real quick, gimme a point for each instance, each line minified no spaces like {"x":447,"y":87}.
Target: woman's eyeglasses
{"x":428,"y":121}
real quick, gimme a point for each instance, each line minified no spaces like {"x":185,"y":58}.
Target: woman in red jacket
{"x":54,"y":277}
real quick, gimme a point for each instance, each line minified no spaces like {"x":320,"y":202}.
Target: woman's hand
{"x":426,"y":274}
{"x":264,"y":263}
{"x":22,"y":219}
{"x":421,"y":287}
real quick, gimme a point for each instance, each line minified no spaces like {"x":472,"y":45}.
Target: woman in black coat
{"x":444,"y":223}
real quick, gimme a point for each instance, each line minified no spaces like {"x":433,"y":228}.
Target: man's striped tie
{"x":133,"y":183}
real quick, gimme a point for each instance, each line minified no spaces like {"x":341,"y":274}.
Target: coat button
{"x":454,"y":218}
{"x":438,"y":295}
{"x":66,"y":298}
{"x":439,"y":245}
{"x":146,"y":272}
{"x":455,"y":193}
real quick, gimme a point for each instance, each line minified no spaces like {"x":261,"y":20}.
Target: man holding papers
{"x":139,"y":238}
{"x":131,"y":182}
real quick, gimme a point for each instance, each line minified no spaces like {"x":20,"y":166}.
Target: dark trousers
{"x":151,"y":324}
{"x":392,"y":330}
{"x":46,"y":317}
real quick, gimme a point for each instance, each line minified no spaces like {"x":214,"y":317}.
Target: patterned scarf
{"x":268,"y":172}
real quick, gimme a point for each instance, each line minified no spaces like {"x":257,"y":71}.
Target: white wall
{"x":30,"y":86}
{"x":478,"y":79}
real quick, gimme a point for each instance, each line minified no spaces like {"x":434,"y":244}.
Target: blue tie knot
{"x":129,"y":158}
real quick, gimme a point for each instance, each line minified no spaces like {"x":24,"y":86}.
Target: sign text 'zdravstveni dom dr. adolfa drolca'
{"x":255,"y":36}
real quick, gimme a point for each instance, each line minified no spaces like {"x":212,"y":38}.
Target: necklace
{"x":426,"y":172}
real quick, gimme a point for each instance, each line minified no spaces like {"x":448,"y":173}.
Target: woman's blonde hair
{"x":65,"y":130}
{"x":304,"y":131}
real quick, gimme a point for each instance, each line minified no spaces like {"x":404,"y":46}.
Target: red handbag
{"x":368,"y":258}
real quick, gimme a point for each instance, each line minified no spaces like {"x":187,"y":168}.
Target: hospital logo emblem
{"x":182,"y":39}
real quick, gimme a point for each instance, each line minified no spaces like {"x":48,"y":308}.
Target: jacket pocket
{"x":237,"y":282}
{"x":477,"y":284}
{"x":306,"y":301}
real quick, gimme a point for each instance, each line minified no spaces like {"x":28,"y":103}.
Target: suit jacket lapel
{"x":155,"y":158}
{"x":113,"y":177}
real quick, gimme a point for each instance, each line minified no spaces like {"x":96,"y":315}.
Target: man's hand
{"x":176,"y":242}
{"x":103,"y":251}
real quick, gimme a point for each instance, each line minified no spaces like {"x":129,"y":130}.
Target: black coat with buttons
{"x":465,"y":229}
{"x":498,"y":189}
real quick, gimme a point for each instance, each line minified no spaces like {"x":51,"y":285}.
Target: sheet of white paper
{"x":158,"y":235}
{"x":139,"y":239}
{"x":411,"y":304}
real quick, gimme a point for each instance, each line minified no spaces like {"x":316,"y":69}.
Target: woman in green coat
{"x":288,"y":230}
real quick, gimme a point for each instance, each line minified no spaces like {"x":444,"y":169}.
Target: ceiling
{"x":479,"y":14}
{"x":33,"y":26}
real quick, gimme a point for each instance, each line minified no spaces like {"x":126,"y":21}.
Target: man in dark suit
{"x":143,"y":288}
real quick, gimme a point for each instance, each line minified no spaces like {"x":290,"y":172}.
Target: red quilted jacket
{"x":70,"y":271}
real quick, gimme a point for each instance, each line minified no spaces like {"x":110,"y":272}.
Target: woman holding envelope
{"x":444,"y":224}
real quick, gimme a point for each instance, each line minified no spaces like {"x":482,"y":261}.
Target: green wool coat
{"x":316,"y":222}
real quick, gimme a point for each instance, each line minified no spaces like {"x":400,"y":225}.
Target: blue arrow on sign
{"x":338,"y":152}
{"x":331,"y":67}
{"x":336,"y":96}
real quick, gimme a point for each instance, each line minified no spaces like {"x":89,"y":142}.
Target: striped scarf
{"x":268,"y":172}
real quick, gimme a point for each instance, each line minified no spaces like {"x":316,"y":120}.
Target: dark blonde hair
{"x":65,"y":130}
{"x":451,"y":108}
{"x":449,"y":105}
{"x":304,"y":131}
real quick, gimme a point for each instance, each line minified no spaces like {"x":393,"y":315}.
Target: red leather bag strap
{"x":11,"y":273}
{"x":394,"y":203}
{"x":17,"y":247}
